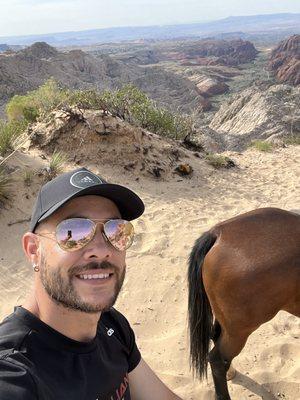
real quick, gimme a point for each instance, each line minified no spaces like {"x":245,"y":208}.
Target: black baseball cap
{"x":81,"y":182}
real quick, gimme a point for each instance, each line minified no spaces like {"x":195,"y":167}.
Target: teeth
{"x":95,"y":276}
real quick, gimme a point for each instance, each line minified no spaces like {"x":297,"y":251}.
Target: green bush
{"x":9,"y":132}
{"x":134,"y":106}
{"x":261,"y":145}
{"x":129,"y":103}
{"x":37,"y":103}
{"x":56,"y":163}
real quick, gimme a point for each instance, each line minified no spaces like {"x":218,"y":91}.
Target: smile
{"x":94,"y":276}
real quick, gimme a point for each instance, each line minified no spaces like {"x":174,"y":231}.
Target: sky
{"x":26,"y":17}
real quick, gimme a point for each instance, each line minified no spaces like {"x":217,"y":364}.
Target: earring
{"x":35,"y":268}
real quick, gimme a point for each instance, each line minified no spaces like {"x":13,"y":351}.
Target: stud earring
{"x":35,"y":268}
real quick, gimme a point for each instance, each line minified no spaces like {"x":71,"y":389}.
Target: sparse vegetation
{"x":9,"y":133}
{"x":28,"y":177}
{"x":219,"y":161}
{"x":293,"y":139}
{"x":37,"y":103}
{"x":128,"y":103}
{"x":56,"y":164}
{"x":5,"y":186}
{"x":262,"y":145}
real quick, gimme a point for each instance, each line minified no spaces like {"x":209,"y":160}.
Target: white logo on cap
{"x":86,"y":179}
{"x":83,"y":179}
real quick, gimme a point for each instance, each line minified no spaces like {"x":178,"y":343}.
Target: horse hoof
{"x":230,"y":374}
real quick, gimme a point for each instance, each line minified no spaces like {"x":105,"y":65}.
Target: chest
{"x":100,"y":374}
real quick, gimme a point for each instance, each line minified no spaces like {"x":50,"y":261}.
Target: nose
{"x":99,"y":247}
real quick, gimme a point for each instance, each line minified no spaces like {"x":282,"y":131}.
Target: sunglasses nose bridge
{"x":96,"y":223}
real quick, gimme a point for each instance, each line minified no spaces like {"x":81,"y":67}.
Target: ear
{"x":30,"y":242}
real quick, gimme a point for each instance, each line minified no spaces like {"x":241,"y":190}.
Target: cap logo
{"x":84,"y":179}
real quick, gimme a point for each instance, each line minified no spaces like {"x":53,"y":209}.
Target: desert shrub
{"x":86,"y":99}
{"x":262,"y":145}
{"x":294,"y":139}
{"x":56,"y":163}
{"x":21,"y":107}
{"x":9,"y":132}
{"x":38,"y":102}
{"x":128,"y":103}
{"x":219,"y":161}
{"x":5,"y":186}
{"x":28,"y":177}
{"x":134,"y":106}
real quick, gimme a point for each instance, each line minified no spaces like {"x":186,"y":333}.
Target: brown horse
{"x":241,"y":273}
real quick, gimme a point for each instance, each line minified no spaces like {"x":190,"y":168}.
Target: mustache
{"x":92,"y":265}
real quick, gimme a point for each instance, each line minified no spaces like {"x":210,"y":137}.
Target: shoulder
{"x":16,"y":381}
{"x":12,"y":333}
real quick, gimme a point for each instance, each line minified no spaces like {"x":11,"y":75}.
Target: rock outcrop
{"x":285,"y":61}
{"x":259,"y":113}
{"x":208,"y":87}
{"x":215,"y":52}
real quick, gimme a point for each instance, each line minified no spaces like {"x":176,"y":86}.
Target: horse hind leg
{"x":216,"y":332}
{"x":227,"y":346}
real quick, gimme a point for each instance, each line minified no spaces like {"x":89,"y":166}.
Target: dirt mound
{"x":285,"y":61}
{"x":89,"y":136}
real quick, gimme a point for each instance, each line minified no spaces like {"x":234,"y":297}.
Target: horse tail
{"x":200,"y":312}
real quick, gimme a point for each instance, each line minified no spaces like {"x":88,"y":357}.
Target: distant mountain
{"x":29,"y":68}
{"x":280,"y":25}
{"x":3,"y":47}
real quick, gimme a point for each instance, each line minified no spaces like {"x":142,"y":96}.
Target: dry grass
{"x":5,"y":186}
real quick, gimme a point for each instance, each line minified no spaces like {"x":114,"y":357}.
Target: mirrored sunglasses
{"x":74,"y":233}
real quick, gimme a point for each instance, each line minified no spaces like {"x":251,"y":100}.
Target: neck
{"x":76,"y":325}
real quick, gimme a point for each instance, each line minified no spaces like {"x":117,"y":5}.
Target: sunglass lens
{"x":73,"y":234}
{"x":120,"y":233}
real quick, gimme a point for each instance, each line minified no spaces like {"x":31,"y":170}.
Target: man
{"x":66,"y":341}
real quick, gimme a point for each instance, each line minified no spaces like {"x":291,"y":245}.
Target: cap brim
{"x":128,"y":203}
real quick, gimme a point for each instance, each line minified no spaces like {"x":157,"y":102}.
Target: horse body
{"x":241,"y":273}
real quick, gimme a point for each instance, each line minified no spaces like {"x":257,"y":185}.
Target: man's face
{"x":62,"y":273}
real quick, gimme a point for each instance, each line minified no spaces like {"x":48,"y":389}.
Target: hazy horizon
{"x":34,"y":17}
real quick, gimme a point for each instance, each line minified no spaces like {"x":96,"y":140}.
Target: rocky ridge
{"x":285,"y":61}
{"x":29,"y":68}
{"x":257,"y":113}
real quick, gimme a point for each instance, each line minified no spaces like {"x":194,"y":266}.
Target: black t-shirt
{"x":39,"y":363}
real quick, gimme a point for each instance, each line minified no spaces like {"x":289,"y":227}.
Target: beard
{"x":62,"y":291}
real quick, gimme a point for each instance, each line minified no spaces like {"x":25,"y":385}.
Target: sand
{"x":154,"y":297}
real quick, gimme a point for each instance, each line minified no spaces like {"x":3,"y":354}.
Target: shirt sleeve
{"x":127,"y":337}
{"x":16,"y":382}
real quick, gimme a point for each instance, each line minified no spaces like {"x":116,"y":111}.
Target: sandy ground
{"x":154,"y":297}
